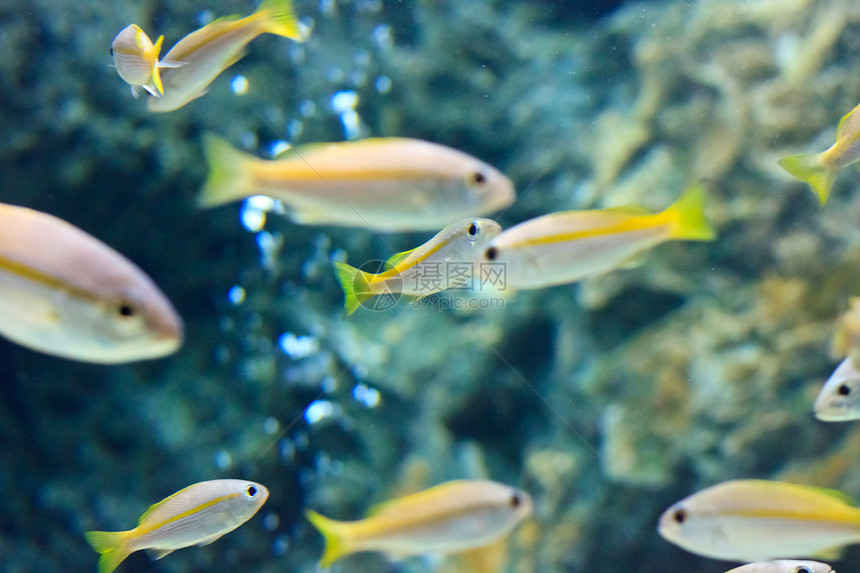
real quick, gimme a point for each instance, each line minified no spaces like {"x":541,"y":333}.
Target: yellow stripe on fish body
{"x":384,"y":184}
{"x":568,"y":246}
{"x":819,"y":169}
{"x":759,"y":520}
{"x":449,"y":517}
{"x":63,"y":292}
{"x":196,"y":515}
{"x":445,"y":261}
{"x":215,"y":47}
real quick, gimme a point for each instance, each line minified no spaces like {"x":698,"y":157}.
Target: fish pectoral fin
{"x":210,"y":539}
{"x":633,"y":261}
{"x":156,"y":554}
{"x":135,"y":91}
{"x":171,"y":64}
{"x":152,"y":90}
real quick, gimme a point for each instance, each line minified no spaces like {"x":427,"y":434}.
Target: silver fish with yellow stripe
{"x":567,"y":246}
{"x":784,"y":566}
{"x":452,"y":516}
{"x":445,"y":261}
{"x":135,"y":58}
{"x":759,"y":520}
{"x":215,"y":47}
{"x":383,"y":183}
{"x":196,"y":515}
{"x":64,"y":292}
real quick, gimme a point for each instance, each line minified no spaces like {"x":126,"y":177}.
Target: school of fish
{"x":67,"y":294}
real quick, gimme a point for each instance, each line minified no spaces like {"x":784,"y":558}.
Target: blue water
{"x":606,"y":400}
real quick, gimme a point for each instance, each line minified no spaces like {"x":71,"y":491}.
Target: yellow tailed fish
{"x":445,"y":261}
{"x":819,"y":169}
{"x":64,"y":292}
{"x":215,"y":47}
{"x":784,"y":566}
{"x":135,"y":58}
{"x":384,"y":184}
{"x":758,"y":520}
{"x":453,"y":516}
{"x":196,"y":515}
{"x":839,"y":398}
{"x":567,"y":246}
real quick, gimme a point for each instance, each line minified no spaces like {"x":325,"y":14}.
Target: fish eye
{"x":126,"y":309}
{"x":680,"y":516}
{"x":843,"y":390}
{"x":472,"y":230}
{"x":478,"y":177}
{"x":515,"y":500}
{"x":491,"y":253}
{"x":251,"y":491}
{"x":111,"y":50}
{"x":802,"y":569}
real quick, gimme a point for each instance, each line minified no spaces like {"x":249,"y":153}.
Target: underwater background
{"x":606,"y":400}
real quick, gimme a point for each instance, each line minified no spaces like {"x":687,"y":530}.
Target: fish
{"x":759,"y":520}
{"x":135,"y":58}
{"x":215,"y":47}
{"x":839,"y":398}
{"x":819,"y":169}
{"x":382,"y":184}
{"x":64,"y":292}
{"x":450,"y":517}
{"x":784,"y":566}
{"x":196,"y":515}
{"x":846,"y":338}
{"x":445,"y":261}
{"x":567,"y":246}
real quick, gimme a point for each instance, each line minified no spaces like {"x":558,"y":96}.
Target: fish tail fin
{"x":355,"y":285}
{"x":228,"y":179}
{"x":688,"y":216}
{"x":156,"y":74}
{"x":336,"y":542}
{"x":280,"y":18}
{"x":812,"y":169}
{"x":111,"y":545}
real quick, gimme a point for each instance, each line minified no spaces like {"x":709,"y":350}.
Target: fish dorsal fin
{"x":225,"y":19}
{"x":628,"y":210}
{"x":408,"y":503}
{"x":835,"y":494}
{"x":296,"y":151}
{"x":381,"y":508}
{"x":154,"y":507}
{"x":394,"y":260}
{"x":845,"y":122}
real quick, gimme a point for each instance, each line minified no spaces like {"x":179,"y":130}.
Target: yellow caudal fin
{"x":355,"y":285}
{"x":280,"y":18}
{"x":336,"y":541}
{"x":112,"y":547}
{"x":228,"y":179}
{"x":812,"y":170}
{"x":688,"y":216}
{"x":156,"y":75}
